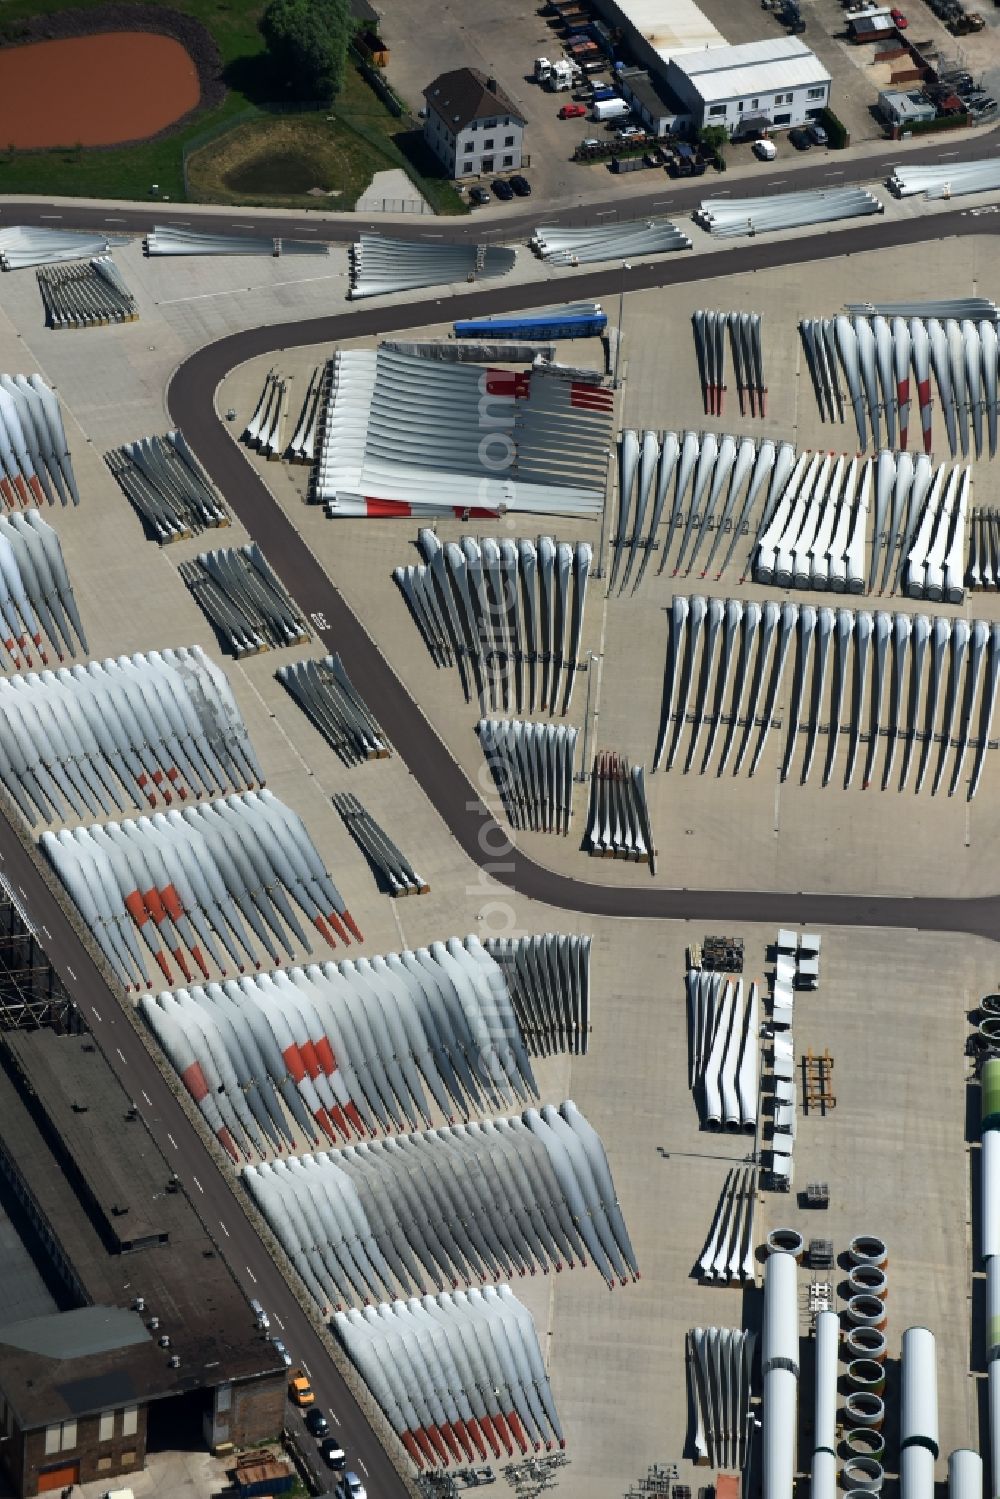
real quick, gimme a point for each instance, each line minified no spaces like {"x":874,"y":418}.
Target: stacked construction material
{"x":86,"y":296}
{"x":720,"y":1365}
{"x":35,"y":591}
{"x":983,"y":569}
{"x":118,"y":734}
{"x":561,"y":245}
{"x":896,"y":646}
{"x":165,"y":482}
{"x":244,"y":599}
{"x":729,"y":1251}
{"x":783,"y":1120}
{"x":815,"y":534}
{"x":381,"y":266}
{"x":453,"y":1372}
{"x":495,"y":608}
{"x":404,"y":435}
{"x":263,"y":430}
{"x":798,"y":963}
{"x":34,"y":455}
{"x":728,"y":218}
{"x":875,"y":348}
{"x":212,"y":866}
{"x":567,"y":320}
{"x":325,"y":691}
{"x":619,"y":826}
{"x":302,"y":448}
{"x":748,"y":359}
{"x":346,"y":1045}
{"x":723,"y":1049}
{"x":375,"y":843}
{"x":23,"y":245}
{"x":169,"y":239}
{"x":549,"y":983}
{"x":949,"y":179}
{"x":532,"y":765}
{"x":501,"y":1197}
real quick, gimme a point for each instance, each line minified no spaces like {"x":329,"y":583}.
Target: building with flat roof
{"x":120,"y":1325}
{"x":772,"y":84}
{"x":659,"y":110}
{"x":656,"y":30}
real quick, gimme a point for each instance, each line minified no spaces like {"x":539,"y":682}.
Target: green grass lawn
{"x":365,"y":134}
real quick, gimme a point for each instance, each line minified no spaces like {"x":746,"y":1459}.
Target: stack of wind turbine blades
{"x":619,"y":827}
{"x":35,"y":465}
{"x":37,"y":606}
{"x":120,"y":733}
{"x":263,"y":431}
{"x":983,"y":558}
{"x":381,"y":266}
{"x":548,"y":979}
{"x":244,"y":600}
{"x":533,"y":767}
{"x":453,"y":1373}
{"x":949,"y":179}
{"x":394,"y":868}
{"x":166,"y":484}
{"x":169,"y":239}
{"x":177,"y":878}
{"x":86,"y":296}
{"x":302,"y":447}
{"x":748,"y":360}
{"x":560,"y":245}
{"x":728,"y":1256}
{"x":351,"y":1047}
{"x":730,"y":218}
{"x":724,"y":1049}
{"x":720,"y":1364}
{"x":504,"y":1196}
{"x":24,"y":245}
{"x":325,"y":691}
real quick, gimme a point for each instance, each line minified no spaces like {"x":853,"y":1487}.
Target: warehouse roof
{"x":753,"y":68}
{"x":670,"y":26}
{"x":652,"y":94}
{"x":466,"y":94}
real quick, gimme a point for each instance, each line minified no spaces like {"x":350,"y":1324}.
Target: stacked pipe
{"x":619,"y":826}
{"x":729,"y":1250}
{"x":720,"y":1365}
{"x":855,"y":648}
{"x":918,"y":1425}
{"x":728,"y":218}
{"x":346,"y":1045}
{"x":510,"y":614}
{"x":866,"y":1317}
{"x":263,"y":430}
{"x":533,"y":767}
{"x":325,"y":691}
{"x":946,"y":180}
{"x":381,"y":266}
{"x":36,"y":596}
{"x":548,"y":979}
{"x":86,"y":296}
{"x":454,"y":1372}
{"x":824,"y":1457}
{"x":122,"y":733}
{"x":35,"y":464}
{"x":164,"y":481}
{"x":723,"y":1049}
{"x":875,"y":352}
{"x":983,"y":566}
{"x":397,"y":872}
{"x":182,"y":880}
{"x":780,"y":1370}
{"x":501,"y":1197}
{"x":302,"y":448}
{"x":989,"y":1166}
{"x":560,"y":245}
{"x":748,"y":359}
{"x":244,"y":600}
{"x":25,"y":245}
{"x":169,"y":239}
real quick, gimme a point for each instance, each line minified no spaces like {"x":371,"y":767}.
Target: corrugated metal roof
{"x":754,"y":68}
{"x":671,"y":28}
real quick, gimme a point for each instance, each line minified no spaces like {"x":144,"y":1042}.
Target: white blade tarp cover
{"x":171,"y":239}
{"x":381,"y":266}
{"x":455,"y":1372}
{"x":731,"y":217}
{"x":23,"y":245}
{"x":37,"y":604}
{"x":35,"y":466}
{"x":561,"y":245}
{"x":719,"y":1362}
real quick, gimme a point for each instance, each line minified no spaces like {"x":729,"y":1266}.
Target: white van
{"x":765,"y":150}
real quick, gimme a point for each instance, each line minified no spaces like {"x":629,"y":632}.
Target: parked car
{"x":502,"y":189}
{"x":521,"y":186}
{"x":263,"y":1320}
{"x":351,"y":1487}
{"x":819,"y":135}
{"x":765,"y":150}
{"x":478,"y":196}
{"x":572,"y":111}
{"x":316,"y":1423}
{"x":898,"y":19}
{"x":983,"y":107}
{"x":631,"y":133}
{"x":333,"y":1454}
{"x":801,"y":140}
{"x":282,"y":1352}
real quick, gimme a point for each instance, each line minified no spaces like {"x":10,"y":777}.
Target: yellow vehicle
{"x":300,"y":1390}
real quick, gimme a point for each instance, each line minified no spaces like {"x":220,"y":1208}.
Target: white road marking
{"x":171,"y":1139}
{"x":50,"y":215}
{"x":70,"y":972}
{"x":835,"y":174}
{"x":96,"y":1011}
{"x":305,"y":1368}
{"x":362,"y":1467}
{"x":147,"y":1098}
{"x":23,"y":892}
{"x":253,"y":1278}
{"x":121,"y":1054}
{"x":198,"y":1184}
{"x":224,"y":1228}
{"x":114,"y":221}
{"x":946,"y":154}
{"x":276,"y":1317}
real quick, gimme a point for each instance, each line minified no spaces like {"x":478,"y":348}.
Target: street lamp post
{"x":621,"y":313}
{"x":591,"y":659}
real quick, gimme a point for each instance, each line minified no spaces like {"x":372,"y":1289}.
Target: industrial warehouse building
{"x":121,"y":1329}
{"x":473,"y":127}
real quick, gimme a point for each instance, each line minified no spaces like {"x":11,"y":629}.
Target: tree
{"x":307,"y":40}
{"x":714,"y":137}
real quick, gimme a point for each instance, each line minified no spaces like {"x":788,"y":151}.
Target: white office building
{"x":472,"y":126}
{"x":759,"y":86}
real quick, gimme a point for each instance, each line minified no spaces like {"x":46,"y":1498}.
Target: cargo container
{"x":610,"y":109}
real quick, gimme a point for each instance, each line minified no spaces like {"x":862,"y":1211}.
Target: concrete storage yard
{"x":891,"y":1006}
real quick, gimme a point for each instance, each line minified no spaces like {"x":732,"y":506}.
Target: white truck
{"x":611,"y":109}
{"x":564,"y":75}
{"x":543,"y":70}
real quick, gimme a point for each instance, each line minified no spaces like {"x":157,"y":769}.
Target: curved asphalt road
{"x":190,"y":400}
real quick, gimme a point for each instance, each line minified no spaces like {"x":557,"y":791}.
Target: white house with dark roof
{"x":473,"y":126}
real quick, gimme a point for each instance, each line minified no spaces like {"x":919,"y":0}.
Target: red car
{"x":898,"y":20}
{"x":572,"y":111}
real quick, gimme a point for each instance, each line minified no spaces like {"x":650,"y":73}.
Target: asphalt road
{"x":512,"y":220}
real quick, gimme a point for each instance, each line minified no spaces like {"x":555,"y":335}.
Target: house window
{"x":816,"y":93}
{"x":473,"y":125}
{"x":508,"y":140}
{"x":488,"y":145}
{"x":717,"y":109}
{"x":52,"y":1439}
{"x":130,"y":1420}
{"x":754,"y":103}
{"x":104,"y":1465}
{"x":466,"y":167}
{"x":782,"y":119}
{"x":508,"y":161}
{"x":106,"y":1426}
{"x":60,"y":1437}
